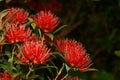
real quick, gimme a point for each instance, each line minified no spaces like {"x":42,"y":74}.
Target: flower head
{"x":16,"y":15}
{"x":17,"y":33}
{"x":35,"y":52}
{"x":74,"y":54}
{"x":7,"y":76}
{"x":46,"y":21}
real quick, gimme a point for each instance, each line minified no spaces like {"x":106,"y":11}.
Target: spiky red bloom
{"x":35,"y":52}
{"x":46,"y":21}
{"x":74,"y":54}
{"x":16,"y":15}
{"x":7,"y":76}
{"x":17,"y":33}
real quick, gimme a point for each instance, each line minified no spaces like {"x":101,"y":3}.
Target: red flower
{"x":46,"y":21}
{"x":33,"y":37}
{"x":17,"y":15}
{"x":7,"y":76}
{"x":74,"y":54}
{"x":36,"y":52}
{"x":17,"y":33}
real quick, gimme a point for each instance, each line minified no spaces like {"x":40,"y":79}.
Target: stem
{"x":30,"y":20}
{"x":65,"y":76}
{"x":40,"y":33}
{"x":30,"y":70}
{"x":12,"y":57}
{"x":28,"y":23}
{"x":59,"y":72}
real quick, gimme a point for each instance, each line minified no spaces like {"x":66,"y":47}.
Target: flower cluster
{"x":26,"y":51}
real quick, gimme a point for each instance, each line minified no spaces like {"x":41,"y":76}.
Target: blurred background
{"x":95,"y":23}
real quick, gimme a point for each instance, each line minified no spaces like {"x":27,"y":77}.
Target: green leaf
{"x":34,"y":76}
{"x":16,"y":74}
{"x":3,"y":14}
{"x":59,"y":54}
{"x":51,"y":72}
{"x":117,"y":53}
{"x":67,"y":67}
{"x":6,"y":66}
{"x":8,"y":54}
{"x":40,"y":33}
{"x":10,"y":17}
{"x":30,"y":20}
{"x":59,"y":29}
{"x":33,"y":25}
{"x":51,"y":36}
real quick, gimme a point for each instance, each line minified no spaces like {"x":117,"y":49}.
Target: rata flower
{"x":46,"y":21}
{"x":35,"y":52}
{"x":74,"y":54}
{"x":7,"y":76}
{"x":17,"y":33}
{"x":16,"y":15}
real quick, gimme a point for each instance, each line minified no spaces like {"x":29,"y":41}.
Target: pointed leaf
{"x":3,"y":14}
{"x":51,"y":36}
{"x":33,"y":25}
{"x":117,"y":53}
{"x":10,"y":17}
{"x":59,"y":29}
{"x":30,"y":20}
{"x":6,"y":66}
{"x":16,"y":74}
{"x":40,"y":33}
{"x":34,"y":76}
{"x":59,"y":54}
{"x":7,"y":53}
{"x":67,"y":67}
